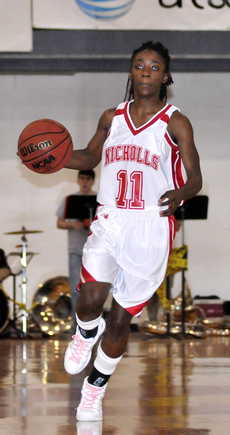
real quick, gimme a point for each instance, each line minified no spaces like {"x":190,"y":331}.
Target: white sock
{"x":88,"y":325}
{"x":104,"y":363}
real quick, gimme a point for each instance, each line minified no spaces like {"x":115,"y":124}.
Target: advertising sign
{"x":132,"y":14}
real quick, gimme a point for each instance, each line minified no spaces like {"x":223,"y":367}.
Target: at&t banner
{"x":132,"y":14}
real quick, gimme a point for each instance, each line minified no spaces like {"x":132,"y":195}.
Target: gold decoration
{"x":176,"y":263}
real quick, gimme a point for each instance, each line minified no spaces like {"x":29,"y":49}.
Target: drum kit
{"x":51,"y":306}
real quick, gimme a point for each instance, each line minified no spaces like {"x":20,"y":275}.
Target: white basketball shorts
{"x":130,"y":250}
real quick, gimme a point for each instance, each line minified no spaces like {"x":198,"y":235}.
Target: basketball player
{"x":149,"y":166}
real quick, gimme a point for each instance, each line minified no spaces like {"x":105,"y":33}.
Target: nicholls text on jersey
{"x":131,"y":153}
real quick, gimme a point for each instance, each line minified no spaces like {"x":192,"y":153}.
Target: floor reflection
{"x":161,"y":387}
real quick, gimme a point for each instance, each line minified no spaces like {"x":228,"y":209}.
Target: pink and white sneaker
{"x":90,"y":407}
{"x":79,"y":351}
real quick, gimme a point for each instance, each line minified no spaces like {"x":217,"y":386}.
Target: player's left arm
{"x":181,"y":132}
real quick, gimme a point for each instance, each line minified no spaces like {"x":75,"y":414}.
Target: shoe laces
{"x":91,"y":396}
{"x":78,"y":348}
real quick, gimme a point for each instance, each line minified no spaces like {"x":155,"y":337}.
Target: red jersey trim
{"x":176,"y":162}
{"x":135,"y":131}
{"x":120,"y":111}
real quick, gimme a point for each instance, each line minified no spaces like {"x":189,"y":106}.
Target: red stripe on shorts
{"x":85,"y":277}
{"x":172,"y":231}
{"x":136,"y":311}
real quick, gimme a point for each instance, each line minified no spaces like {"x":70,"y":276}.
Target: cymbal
{"x":19,"y":253}
{"x":24,"y":231}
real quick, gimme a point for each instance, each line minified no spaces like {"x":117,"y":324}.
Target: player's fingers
{"x":163,"y":201}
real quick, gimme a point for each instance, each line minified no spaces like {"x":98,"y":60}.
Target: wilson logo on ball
{"x":25,"y":151}
{"x":105,"y":9}
{"x":45,"y":146}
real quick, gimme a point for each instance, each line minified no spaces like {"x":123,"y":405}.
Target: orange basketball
{"x":45,"y":146}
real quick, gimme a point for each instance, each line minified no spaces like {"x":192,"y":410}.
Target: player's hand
{"x":171,"y":199}
{"x":78,"y":225}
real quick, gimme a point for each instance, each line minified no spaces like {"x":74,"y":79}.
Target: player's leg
{"x":91,"y":300}
{"x":109,"y":353}
{"x":90,"y":325}
{"x":113,"y":343}
{"x":117,"y":332}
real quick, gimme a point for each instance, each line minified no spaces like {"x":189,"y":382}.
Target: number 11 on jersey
{"x":136,"y":181}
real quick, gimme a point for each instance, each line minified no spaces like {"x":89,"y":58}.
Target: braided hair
{"x":163,"y":52}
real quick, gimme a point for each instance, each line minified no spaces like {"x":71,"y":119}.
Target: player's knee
{"x":93,"y":296}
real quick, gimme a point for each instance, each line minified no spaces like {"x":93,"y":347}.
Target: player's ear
{"x":130,"y":77}
{"x":165,"y":78}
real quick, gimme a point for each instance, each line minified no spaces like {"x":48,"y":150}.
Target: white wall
{"x":30,"y":200}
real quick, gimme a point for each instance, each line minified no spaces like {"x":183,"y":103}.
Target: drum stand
{"x":183,"y":302}
{"x":12,"y":323}
{"x":24,"y":263}
{"x":193,"y":209}
{"x":22,"y":333}
{"x":24,"y":284}
{"x":168,"y":315}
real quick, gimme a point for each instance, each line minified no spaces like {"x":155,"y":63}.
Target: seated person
{"x":4,"y":268}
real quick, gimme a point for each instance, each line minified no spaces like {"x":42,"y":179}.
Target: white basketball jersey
{"x":139,"y":164}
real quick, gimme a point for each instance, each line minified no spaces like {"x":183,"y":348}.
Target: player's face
{"x":148,"y":73}
{"x":85,"y":183}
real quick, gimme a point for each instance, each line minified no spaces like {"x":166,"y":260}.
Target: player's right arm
{"x":63,"y":224}
{"x":90,"y":157}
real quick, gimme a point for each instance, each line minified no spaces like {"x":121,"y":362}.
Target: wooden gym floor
{"x":160,"y":387}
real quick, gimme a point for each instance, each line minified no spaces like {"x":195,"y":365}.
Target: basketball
{"x":45,"y":146}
